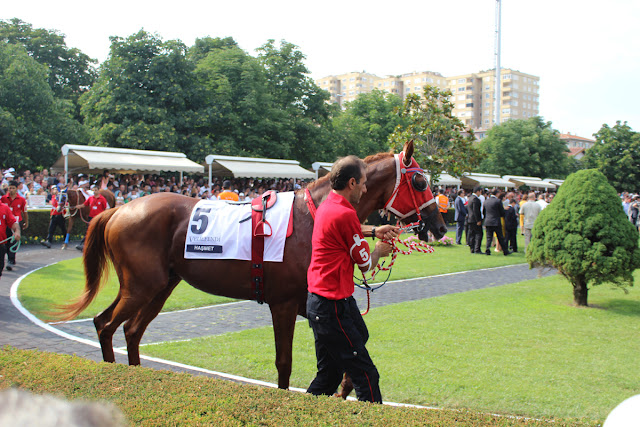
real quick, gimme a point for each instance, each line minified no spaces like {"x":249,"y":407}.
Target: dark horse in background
{"x":145,"y":241}
{"x":72,"y":198}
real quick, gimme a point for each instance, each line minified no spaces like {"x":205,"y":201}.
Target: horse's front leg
{"x":283,"y":316}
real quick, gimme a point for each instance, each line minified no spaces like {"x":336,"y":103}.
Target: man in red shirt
{"x":97,"y":204}
{"x":338,"y":243}
{"x":7,"y":222}
{"x":18,"y":206}
{"x":57,"y":218}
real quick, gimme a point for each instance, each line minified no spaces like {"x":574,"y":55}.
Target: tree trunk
{"x":580,"y":293}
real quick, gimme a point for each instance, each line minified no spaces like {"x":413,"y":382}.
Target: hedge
{"x":39,"y":227}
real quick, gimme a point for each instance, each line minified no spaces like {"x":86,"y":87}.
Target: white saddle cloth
{"x":215,"y":230}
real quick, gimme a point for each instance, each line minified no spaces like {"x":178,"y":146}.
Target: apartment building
{"x":473,"y":94}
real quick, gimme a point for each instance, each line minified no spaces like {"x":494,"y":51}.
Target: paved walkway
{"x":20,"y":332}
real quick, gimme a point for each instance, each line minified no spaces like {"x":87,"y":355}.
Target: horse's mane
{"x":368,"y":160}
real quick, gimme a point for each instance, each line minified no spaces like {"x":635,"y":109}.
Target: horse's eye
{"x":419,"y":181}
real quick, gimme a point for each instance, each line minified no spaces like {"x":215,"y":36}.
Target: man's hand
{"x":25,"y":225}
{"x":16,"y":232}
{"x":479,"y":223}
{"x":387,"y":232}
{"x":383,"y":249}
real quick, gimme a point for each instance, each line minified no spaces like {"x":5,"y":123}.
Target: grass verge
{"x":150,"y":398}
{"x":63,"y":282}
{"x":516,"y":349}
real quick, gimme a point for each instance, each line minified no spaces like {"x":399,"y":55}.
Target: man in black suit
{"x":493,"y":211}
{"x":474,"y":219}
{"x":511,"y":225}
{"x":460,"y":216}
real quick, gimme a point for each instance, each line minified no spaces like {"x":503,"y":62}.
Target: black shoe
{"x":507,"y":253}
{"x":488,"y":252}
{"x":80,"y":247}
{"x":9,"y":268}
{"x":46,"y":244}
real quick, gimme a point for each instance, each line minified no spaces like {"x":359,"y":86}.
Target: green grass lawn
{"x":516,"y":349}
{"x":63,"y":282}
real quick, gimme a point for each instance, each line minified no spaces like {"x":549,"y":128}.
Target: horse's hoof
{"x":64,"y":246}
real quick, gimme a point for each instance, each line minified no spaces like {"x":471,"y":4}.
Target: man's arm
{"x":26,"y":220}
{"x":381,"y":250}
{"x":383,"y":232}
{"x":16,"y":231}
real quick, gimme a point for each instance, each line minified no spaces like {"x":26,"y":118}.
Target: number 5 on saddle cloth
{"x":222,"y":230}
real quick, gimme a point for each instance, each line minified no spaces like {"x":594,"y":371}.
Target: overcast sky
{"x":587,"y":54}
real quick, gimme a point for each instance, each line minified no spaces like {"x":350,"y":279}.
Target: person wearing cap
{"x":57,"y":218}
{"x":227,"y":194}
{"x":7,"y":222}
{"x":97,"y":204}
{"x":18,"y":206}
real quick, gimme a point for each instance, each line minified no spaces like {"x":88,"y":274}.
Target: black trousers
{"x":3,"y":250}
{"x":498,"y":230}
{"x":475,"y":237}
{"x":340,"y":337}
{"x":57,"y":221}
{"x":512,"y":238}
{"x":11,"y":256}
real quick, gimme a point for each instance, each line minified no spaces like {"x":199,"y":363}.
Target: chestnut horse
{"x":74,"y":198}
{"x":145,"y":241}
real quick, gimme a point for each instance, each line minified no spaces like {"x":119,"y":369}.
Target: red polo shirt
{"x":97,"y":203}
{"x":6,"y":220}
{"x":338,"y":244}
{"x":54,"y":204}
{"x":17,"y":205}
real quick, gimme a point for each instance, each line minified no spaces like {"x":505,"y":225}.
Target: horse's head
{"x":411,"y":199}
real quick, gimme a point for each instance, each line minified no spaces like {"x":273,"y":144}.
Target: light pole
{"x":497,"y":53}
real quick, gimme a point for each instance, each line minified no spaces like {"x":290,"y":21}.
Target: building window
{"x":461,"y":81}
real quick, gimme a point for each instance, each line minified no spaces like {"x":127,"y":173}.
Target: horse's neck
{"x":320,"y":191}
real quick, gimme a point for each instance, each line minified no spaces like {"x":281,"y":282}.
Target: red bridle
{"x":420,"y":199}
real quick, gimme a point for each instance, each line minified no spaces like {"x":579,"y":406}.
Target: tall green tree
{"x":585,"y":234}
{"x":244,"y":117}
{"x":34,"y":124}
{"x":365,"y":125}
{"x":146,"y":97}
{"x":71,"y":72}
{"x":617,"y":155}
{"x":303,"y":122}
{"x":442,"y":142}
{"x":528,"y":147}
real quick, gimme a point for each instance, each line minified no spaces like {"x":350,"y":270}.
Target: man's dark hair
{"x":477,"y":188}
{"x":495,"y":191}
{"x":460,"y":192}
{"x":344,"y":169}
{"x":441,"y":191}
{"x":13,"y":183}
{"x":226,"y":185}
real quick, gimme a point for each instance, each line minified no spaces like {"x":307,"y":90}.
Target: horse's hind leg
{"x":284,"y":322}
{"x":106,"y":340}
{"x":134,"y":328}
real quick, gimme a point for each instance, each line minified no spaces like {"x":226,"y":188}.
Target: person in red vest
{"x":18,"y":206}
{"x":7,"y":222}
{"x":337,"y":244}
{"x":57,"y":218}
{"x":97,"y":204}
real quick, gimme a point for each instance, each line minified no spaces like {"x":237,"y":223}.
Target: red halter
{"x":406,"y":200}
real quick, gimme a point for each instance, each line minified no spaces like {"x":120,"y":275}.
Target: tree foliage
{"x":33,"y":123}
{"x":527,"y":148}
{"x":146,"y":98}
{"x":365,"y":125}
{"x":71,"y":72}
{"x":617,"y":155}
{"x":441,"y":139}
{"x":585,"y":234}
{"x":303,"y":122}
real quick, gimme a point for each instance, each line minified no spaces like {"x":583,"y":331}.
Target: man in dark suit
{"x":493,"y":212}
{"x":474,"y":218}
{"x":460,"y":215}
{"x":511,"y":225}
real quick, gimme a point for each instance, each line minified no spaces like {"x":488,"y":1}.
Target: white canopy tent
{"x":90,"y":159}
{"x":446,"y":180}
{"x":321,"y":168}
{"x":529,"y":181}
{"x":471,"y":180}
{"x":556,"y":182}
{"x":248,"y":167}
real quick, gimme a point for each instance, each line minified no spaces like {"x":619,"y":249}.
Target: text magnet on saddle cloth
{"x":221,"y":230}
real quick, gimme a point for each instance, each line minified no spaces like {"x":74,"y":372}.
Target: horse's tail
{"x":95,"y":259}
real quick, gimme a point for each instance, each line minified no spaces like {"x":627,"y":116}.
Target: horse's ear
{"x":408,"y":152}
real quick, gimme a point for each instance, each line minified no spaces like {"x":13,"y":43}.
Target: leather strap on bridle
{"x":310,"y":204}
